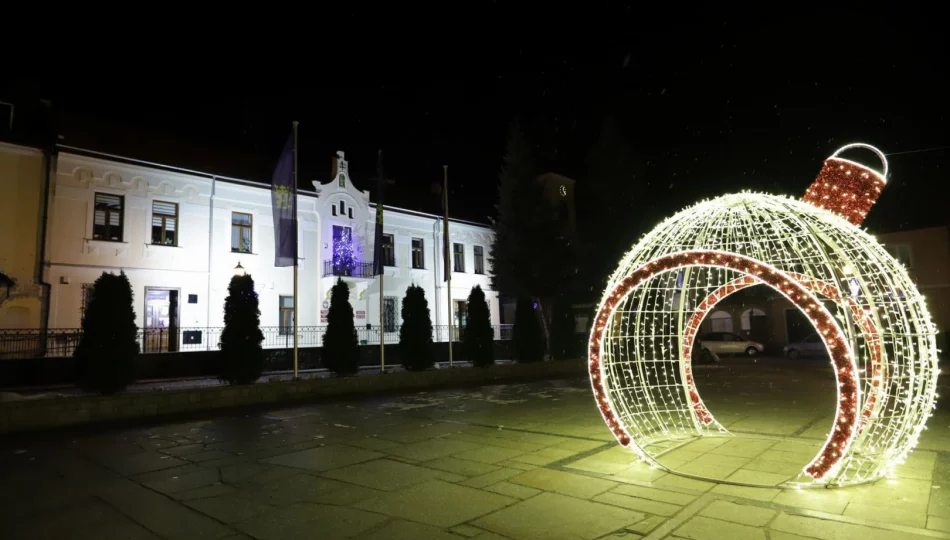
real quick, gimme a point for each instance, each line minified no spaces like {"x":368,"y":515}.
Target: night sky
{"x":714,"y":103}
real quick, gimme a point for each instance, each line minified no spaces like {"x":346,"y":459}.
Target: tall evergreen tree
{"x":531,"y":253}
{"x":415,"y":334}
{"x":563,"y":338}
{"x":613,"y":185}
{"x":109,"y":343}
{"x":341,"y":352}
{"x":518,"y":198}
{"x":527,"y":337}
{"x":241,"y":360}
{"x":479,"y":336}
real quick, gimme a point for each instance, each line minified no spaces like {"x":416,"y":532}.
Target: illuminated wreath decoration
{"x":874,"y":322}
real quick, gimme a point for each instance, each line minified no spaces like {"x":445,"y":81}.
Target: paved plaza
{"x":520,"y":461}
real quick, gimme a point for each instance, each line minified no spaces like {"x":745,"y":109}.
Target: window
{"x":286,"y":315}
{"x":479,"y":260}
{"x":902,"y":253}
{"x":107,"y":221}
{"x":164,"y":223}
{"x":458,"y":252}
{"x":342,"y":208}
{"x":389,"y":314}
{"x":460,"y":318}
{"x":342,"y":179}
{"x":389,"y":255}
{"x":240,"y":232}
{"x":349,"y":213}
{"x":747,"y":317}
{"x":721,"y":321}
{"x":85,"y":300}
{"x":418,"y":260}
{"x":334,"y":209}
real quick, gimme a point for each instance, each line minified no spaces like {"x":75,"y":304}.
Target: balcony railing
{"x":356,"y":270}
{"x":29,"y":343}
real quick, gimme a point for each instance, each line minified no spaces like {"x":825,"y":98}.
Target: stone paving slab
{"x":307,"y":521}
{"x":550,"y":515}
{"x":426,"y":503}
{"x":324,"y":458}
{"x":383,"y":474}
{"x":501,"y":462}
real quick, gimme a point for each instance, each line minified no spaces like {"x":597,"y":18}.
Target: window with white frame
{"x":86,"y":299}
{"x":389,"y":313}
{"x":286,"y":315}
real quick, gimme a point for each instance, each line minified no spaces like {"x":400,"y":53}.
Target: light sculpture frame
{"x":864,"y":305}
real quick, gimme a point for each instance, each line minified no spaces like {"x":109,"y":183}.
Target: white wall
{"x":197,"y":266}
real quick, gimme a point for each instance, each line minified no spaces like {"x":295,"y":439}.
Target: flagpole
{"x":445,"y":257}
{"x":382,"y":272}
{"x":296,"y":252}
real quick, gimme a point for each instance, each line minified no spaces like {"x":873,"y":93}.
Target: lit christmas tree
{"x":343,"y":261}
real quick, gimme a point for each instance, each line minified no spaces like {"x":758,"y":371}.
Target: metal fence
{"x":26,"y":343}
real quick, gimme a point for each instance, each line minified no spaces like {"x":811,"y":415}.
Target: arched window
{"x":747,"y":317}
{"x":721,"y":321}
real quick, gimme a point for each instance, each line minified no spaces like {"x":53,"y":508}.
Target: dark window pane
{"x":479,"y":260}
{"x":107,"y":217}
{"x":459,"y":257}
{"x":417,"y":253}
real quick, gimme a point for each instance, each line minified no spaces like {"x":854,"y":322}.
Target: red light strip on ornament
{"x":865,"y":322}
{"x":846,"y":417}
{"x":846,"y":188}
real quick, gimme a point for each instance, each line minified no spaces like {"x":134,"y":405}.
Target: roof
{"x":431,"y":205}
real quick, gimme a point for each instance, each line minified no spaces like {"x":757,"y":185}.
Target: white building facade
{"x":180,"y":235}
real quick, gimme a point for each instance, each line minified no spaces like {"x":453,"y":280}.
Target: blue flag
{"x":378,"y":263}
{"x":284,"y":206}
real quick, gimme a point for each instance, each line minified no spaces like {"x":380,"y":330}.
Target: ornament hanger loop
{"x":868,"y":147}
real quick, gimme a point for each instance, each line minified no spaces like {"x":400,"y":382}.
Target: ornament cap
{"x":882,"y":174}
{"x":847,"y":187}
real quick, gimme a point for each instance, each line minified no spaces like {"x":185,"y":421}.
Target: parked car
{"x":812,"y":345}
{"x":729,"y":343}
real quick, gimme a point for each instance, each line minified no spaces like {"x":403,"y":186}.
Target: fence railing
{"x":26,"y":343}
{"x":358,"y":270}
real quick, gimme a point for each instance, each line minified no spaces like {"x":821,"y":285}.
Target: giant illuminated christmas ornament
{"x":862,"y":302}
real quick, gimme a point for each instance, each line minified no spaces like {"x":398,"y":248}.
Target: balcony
{"x":355,"y":270}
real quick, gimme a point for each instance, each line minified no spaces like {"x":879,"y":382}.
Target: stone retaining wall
{"x":68,"y":411}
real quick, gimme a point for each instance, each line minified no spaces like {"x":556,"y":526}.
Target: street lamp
{"x":239,"y":270}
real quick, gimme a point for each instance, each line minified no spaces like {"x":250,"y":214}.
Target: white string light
{"x":872,"y":319}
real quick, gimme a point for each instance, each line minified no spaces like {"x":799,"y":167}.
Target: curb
{"x":39,"y":414}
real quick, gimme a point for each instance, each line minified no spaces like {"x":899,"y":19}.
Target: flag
{"x":283,"y":206}
{"x":446,"y":254}
{"x":378,"y":263}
